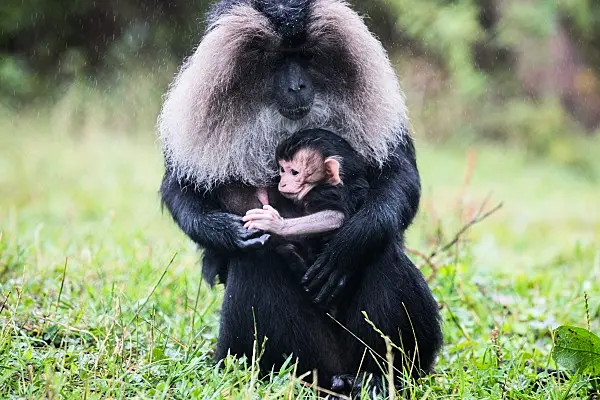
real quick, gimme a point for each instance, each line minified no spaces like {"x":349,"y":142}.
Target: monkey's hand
{"x":266,"y":219}
{"x":243,"y":239}
{"x":325,"y":279}
{"x":332,"y":269}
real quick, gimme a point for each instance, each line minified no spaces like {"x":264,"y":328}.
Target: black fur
{"x":363,"y":268}
{"x":288,"y":17}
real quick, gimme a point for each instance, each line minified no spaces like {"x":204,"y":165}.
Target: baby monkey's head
{"x":308,"y":159}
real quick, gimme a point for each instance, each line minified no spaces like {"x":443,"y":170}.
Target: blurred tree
{"x":507,"y":53}
{"x":58,"y":39}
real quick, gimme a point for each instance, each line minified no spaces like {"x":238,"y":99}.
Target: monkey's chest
{"x":238,"y":199}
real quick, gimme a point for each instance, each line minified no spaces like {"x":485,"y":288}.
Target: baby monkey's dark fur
{"x":345,"y":197}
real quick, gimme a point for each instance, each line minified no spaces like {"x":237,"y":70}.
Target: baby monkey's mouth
{"x":298,"y":196}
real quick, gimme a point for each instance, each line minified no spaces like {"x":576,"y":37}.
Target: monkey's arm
{"x":319,"y":222}
{"x":389,"y":209}
{"x":199,"y":217}
{"x":269,"y":220}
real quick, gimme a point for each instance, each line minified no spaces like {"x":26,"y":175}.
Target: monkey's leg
{"x":398,"y":302}
{"x":355,"y":385}
{"x":263,"y":296}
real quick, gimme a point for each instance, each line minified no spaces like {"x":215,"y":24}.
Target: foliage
{"x":45,"y":44}
{"x":583,"y":16}
{"x":518,"y":71}
{"x":577,"y":349}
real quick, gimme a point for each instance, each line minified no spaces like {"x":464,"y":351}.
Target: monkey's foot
{"x":354,"y":386}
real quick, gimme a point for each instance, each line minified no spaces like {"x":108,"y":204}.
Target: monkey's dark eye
{"x":294,"y":172}
{"x":282,"y":170}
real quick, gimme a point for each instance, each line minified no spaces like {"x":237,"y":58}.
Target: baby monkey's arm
{"x":268,"y":219}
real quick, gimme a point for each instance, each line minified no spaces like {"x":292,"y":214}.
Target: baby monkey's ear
{"x":332,"y":169}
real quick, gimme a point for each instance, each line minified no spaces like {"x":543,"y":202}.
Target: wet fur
{"x":219,"y":132}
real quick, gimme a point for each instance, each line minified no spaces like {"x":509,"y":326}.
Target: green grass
{"x":91,"y":305}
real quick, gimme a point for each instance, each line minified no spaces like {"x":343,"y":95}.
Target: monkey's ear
{"x":332,"y":167}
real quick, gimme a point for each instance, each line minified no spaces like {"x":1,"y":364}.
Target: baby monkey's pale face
{"x":307,"y":169}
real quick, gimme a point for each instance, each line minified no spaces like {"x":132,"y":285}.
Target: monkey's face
{"x":292,"y":51}
{"x":299,"y":175}
{"x":284,"y":54}
{"x":307,"y":169}
{"x":293,"y":91}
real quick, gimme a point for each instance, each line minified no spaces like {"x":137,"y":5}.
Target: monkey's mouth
{"x":290,"y":196}
{"x":295,"y":114}
{"x":297,"y":195}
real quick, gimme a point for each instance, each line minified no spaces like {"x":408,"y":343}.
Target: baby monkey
{"x":323,"y":180}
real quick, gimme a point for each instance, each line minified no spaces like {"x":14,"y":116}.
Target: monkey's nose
{"x":297,"y":88}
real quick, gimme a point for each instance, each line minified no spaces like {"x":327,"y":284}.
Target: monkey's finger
{"x":245,"y":234}
{"x":265,"y":226}
{"x":310,"y":273}
{"x":259,"y":217}
{"x":267,"y":216}
{"x":249,"y":221}
{"x":271,"y":209}
{"x":255,"y":226}
{"x":318,"y":281}
{"x":328,"y":288}
{"x":254,"y":213}
{"x":255,"y":242}
{"x":318,"y":266}
{"x":338,"y":289}
{"x":260,"y":224}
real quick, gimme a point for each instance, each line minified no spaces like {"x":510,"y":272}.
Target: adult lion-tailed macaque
{"x":264,"y":70}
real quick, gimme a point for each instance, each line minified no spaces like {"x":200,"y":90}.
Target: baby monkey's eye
{"x":282,"y":170}
{"x":294,"y":172}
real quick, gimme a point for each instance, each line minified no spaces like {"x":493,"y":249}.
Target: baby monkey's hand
{"x":266,"y":219}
